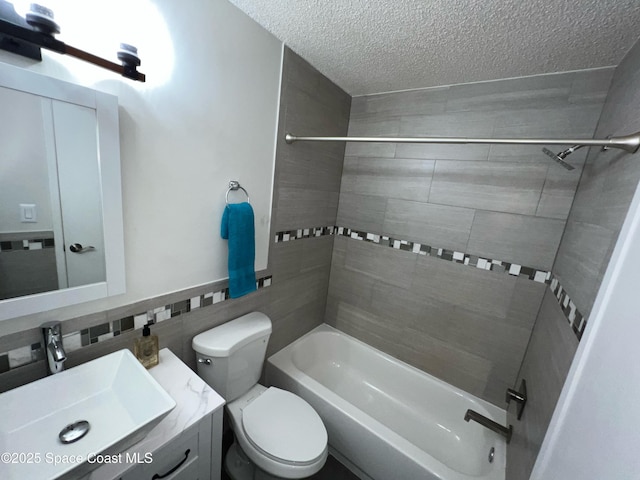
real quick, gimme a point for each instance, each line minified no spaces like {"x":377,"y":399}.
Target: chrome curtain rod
{"x":630,"y":143}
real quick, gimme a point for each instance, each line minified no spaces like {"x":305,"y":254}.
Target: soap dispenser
{"x":146,"y":348}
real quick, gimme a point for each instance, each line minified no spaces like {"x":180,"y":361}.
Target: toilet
{"x":277,"y":433}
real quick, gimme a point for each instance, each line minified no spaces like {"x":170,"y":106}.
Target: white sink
{"x":117,"y":396}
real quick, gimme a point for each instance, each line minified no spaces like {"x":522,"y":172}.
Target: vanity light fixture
{"x":26,"y":36}
{"x":41,"y":19}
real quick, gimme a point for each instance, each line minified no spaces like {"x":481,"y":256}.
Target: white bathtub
{"x":387,"y":420}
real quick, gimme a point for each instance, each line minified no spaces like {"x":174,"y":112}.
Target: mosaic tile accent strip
{"x":32,"y":244}
{"x":301,"y":233}
{"x":21,"y":356}
{"x":112,"y":329}
{"x":540,"y":276}
{"x":577,"y":321}
{"x":105,"y":331}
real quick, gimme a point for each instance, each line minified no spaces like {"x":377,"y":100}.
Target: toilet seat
{"x":285,"y":428}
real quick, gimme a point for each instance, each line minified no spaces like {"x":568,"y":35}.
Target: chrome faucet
{"x":490,"y":424}
{"x":52,"y":333}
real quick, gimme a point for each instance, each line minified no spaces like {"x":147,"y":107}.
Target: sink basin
{"x":117,"y":396}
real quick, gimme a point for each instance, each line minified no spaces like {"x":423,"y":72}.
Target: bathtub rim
{"x":282,"y":362}
{"x":497,"y":413}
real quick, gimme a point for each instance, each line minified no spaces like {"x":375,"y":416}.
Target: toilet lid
{"x":284,"y":426}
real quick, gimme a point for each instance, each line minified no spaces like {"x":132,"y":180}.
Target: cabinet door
{"x":131,"y":474}
{"x":177,"y":460}
{"x":195,"y":454}
{"x":185,"y":471}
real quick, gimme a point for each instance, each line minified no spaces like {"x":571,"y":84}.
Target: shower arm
{"x":629,"y":143}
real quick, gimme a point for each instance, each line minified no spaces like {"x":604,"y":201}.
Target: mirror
{"x":61,"y":238}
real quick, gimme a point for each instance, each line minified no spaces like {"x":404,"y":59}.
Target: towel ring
{"x":235,"y":185}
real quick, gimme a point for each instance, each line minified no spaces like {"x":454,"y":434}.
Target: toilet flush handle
{"x":204,"y":361}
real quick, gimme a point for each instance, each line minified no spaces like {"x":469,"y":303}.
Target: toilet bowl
{"x":277,"y":433}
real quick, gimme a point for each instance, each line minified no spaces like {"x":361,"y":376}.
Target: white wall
{"x":24,"y":175}
{"x":207,"y":114}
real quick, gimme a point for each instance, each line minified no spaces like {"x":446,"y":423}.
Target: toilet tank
{"x":230,"y":356}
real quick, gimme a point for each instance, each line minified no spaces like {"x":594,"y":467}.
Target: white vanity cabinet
{"x":186,"y":457}
{"x":186,"y":444}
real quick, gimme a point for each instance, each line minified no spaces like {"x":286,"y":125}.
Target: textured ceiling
{"x":372,"y":46}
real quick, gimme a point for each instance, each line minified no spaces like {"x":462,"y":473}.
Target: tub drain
{"x":492,"y":453}
{"x":74,"y":431}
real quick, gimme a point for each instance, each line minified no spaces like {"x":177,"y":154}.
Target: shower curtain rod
{"x":630,"y":143}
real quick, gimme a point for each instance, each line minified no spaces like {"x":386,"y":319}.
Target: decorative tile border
{"x":22,"y":245}
{"x":576,"y":320}
{"x":290,"y":235}
{"x":21,"y":356}
{"x":76,"y":340}
{"x":540,"y":276}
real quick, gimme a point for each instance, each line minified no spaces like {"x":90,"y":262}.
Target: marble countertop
{"x":194,"y":400}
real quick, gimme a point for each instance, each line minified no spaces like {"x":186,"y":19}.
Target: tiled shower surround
{"x":505,"y":204}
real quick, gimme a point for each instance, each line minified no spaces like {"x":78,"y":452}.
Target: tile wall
{"x":508,"y":204}
{"x":307,"y":179}
{"x":293,"y":289}
{"x":545,"y":367}
{"x":27,"y":264}
{"x":608,"y":183}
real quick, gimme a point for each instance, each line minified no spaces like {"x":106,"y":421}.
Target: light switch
{"x":28,"y":213}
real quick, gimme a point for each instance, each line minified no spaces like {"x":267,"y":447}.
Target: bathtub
{"x":386,"y":419}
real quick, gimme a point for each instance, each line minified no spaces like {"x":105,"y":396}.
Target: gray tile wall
{"x":306,"y":189}
{"x":308,"y":174}
{"x":467,"y":326}
{"x":23,"y":272}
{"x":601,"y":202}
{"x":27,"y":263}
{"x":545,"y":367}
{"x":607,"y":185}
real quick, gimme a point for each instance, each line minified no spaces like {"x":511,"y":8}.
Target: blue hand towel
{"x":238,"y":227}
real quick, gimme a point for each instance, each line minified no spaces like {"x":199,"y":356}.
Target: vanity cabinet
{"x":187,"y":457}
{"x":186,"y":444}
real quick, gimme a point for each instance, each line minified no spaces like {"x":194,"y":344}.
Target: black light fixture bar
{"x":25,"y":41}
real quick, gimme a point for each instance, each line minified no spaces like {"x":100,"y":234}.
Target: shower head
{"x":559,"y":158}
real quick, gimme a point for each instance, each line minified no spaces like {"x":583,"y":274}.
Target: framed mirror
{"x":61,"y":235}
